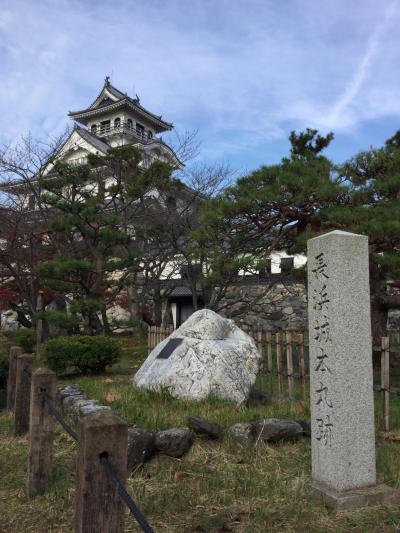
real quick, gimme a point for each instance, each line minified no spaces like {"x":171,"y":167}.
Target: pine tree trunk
{"x":95,"y":323}
{"x":133,"y":303}
{"x":106,"y":324}
{"x":87,"y":328}
{"x":378,"y":311}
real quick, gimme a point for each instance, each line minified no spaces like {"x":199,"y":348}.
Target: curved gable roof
{"x":110,"y":98}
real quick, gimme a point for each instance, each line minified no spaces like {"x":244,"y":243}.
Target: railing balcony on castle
{"x":123,"y":127}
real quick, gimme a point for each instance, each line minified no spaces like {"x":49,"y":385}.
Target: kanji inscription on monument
{"x":341,"y":386}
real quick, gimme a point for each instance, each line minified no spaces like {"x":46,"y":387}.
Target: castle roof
{"x":92,"y":139}
{"x":111,"y":99}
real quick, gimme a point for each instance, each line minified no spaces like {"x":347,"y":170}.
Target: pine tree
{"x":372,"y":207}
{"x":91,"y":213}
{"x":272,"y":206}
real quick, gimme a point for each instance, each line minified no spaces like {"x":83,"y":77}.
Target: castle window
{"x":93,"y":129}
{"x":150,"y":134}
{"x":139,"y":130}
{"x":117,"y":123}
{"x":105,"y":126}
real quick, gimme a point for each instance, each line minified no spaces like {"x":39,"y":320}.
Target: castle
{"x":115,"y":119}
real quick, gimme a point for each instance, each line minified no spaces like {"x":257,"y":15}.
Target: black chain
{"x":58,"y":416}
{"x":134,"y":509}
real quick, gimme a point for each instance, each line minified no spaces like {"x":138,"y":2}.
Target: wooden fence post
{"x":385,"y":385}
{"x":269,"y":362}
{"x":98,"y":507}
{"x":289,"y":361}
{"x":260,"y":349}
{"x":300,"y":350}
{"x":15,"y":351}
{"x":279,"y":362}
{"x":23,"y":394}
{"x":40,"y":431}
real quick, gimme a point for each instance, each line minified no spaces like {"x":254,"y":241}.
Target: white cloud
{"x":338,"y":117}
{"x":243,"y":72}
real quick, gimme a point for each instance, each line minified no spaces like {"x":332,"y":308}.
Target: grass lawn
{"x":215,"y":488}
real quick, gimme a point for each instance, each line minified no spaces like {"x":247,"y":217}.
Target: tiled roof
{"x":92,"y":139}
{"x":180,"y":291}
{"x":122,"y":99}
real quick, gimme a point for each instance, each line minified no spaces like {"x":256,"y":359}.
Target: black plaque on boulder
{"x":168,"y":349}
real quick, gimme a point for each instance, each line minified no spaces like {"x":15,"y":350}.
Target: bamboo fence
{"x":156,"y":334}
{"x":284,"y":370}
{"x":283,"y":364}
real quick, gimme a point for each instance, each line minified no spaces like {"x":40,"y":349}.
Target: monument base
{"x":352,"y":499}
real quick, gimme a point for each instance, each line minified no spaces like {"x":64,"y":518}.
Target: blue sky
{"x":244,"y":73}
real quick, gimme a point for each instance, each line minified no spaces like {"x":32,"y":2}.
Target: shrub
{"x":3,"y":370}
{"x":25,"y":338}
{"x":81,"y":353}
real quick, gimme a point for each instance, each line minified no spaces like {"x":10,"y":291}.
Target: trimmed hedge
{"x":25,"y":338}
{"x":81,"y":353}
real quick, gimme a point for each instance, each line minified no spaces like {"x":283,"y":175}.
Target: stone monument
{"x":341,"y":380}
{"x":207,"y":355}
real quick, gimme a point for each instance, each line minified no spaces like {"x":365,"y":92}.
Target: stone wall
{"x":271,"y":305}
{"x":276,"y":303}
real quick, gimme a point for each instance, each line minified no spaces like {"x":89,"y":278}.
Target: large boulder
{"x":207,"y":355}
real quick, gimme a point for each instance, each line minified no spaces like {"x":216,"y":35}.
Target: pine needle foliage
{"x":91,"y":212}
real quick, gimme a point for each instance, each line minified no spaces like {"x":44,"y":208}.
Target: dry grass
{"x":218,"y":487}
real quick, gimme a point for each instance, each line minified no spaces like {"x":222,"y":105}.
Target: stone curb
{"x":174,"y":442}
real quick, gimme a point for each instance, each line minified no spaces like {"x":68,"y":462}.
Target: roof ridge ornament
{"x":107,"y":81}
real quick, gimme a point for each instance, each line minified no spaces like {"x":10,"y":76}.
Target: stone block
{"x":352,"y":499}
{"x":204,"y":427}
{"x":141,"y":445}
{"x":174,"y":442}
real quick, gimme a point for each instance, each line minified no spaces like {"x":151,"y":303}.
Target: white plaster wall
{"x":172,"y":269}
{"x":123,"y":116}
{"x":78,"y":155}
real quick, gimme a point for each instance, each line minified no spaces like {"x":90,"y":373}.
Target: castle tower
{"x":116,"y":119}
